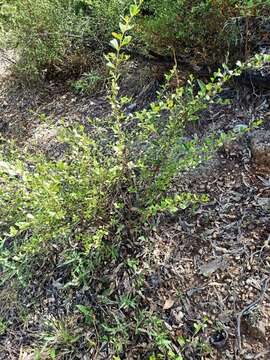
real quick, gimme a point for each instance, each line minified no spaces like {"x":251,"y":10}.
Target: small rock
{"x":154,"y":280}
{"x":212,"y":266}
{"x":260,"y":148}
{"x":248,"y":356}
{"x":264,"y":203}
{"x":177,"y":315}
{"x":219,"y":339}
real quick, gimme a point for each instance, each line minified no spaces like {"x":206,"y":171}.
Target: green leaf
{"x":117,"y":36}
{"x":201,"y":85}
{"x":22,"y":225}
{"x":114,"y":43}
{"x":126,"y":40}
{"x":84,"y":309}
{"x":123,"y":27}
{"x":13,"y":231}
{"x":110,"y":65}
{"x":134,"y":10}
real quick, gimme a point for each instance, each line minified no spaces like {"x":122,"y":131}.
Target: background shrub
{"x":196,"y":28}
{"x":68,"y":38}
{"x":57,"y":36}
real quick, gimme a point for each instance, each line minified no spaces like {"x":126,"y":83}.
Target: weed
{"x":87,"y":312}
{"x":127,"y":301}
{"x":3,"y":326}
{"x":133,"y":264}
{"x":96,"y":194}
{"x":89,"y":83}
{"x":61,"y":333}
{"x":116,"y":333}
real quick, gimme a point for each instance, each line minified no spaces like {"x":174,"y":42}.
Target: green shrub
{"x":57,"y":36}
{"x":68,"y":38}
{"x":107,"y":184}
{"x":196,"y":28}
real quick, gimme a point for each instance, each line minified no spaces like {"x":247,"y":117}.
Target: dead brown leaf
{"x":168,"y":304}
